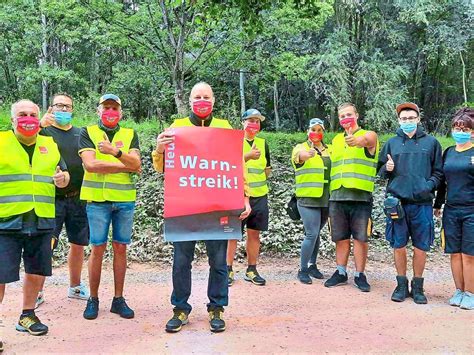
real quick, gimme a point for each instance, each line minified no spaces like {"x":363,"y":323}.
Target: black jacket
{"x":418,"y":166}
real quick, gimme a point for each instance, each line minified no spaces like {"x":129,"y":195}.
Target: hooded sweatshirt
{"x":418,"y":167}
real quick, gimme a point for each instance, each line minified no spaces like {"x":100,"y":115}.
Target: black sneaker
{"x":179,"y":319}
{"x":304,"y":278}
{"x":336,"y":280}
{"x":315,"y":273}
{"x":120,"y":307}
{"x":30,"y":323}
{"x":92,"y":308}
{"x":254,"y":277}
{"x":216,"y":321}
{"x":361,"y":283}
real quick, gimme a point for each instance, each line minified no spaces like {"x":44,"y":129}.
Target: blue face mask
{"x":408,"y":127}
{"x":63,"y":118}
{"x":461,"y":137}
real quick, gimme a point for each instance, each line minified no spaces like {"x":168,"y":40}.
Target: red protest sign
{"x":203,"y":171}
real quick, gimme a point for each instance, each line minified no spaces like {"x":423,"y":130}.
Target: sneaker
{"x":1,"y":333}
{"x":79,"y":292}
{"x":230,"y":278}
{"x":120,"y":307}
{"x":1,"y":346}
{"x":39,"y":299}
{"x":467,"y":301}
{"x":457,"y":298}
{"x":216,"y":321}
{"x":30,"y":323}
{"x":336,"y":279}
{"x":254,"y":278}
{"x":315,"y":273}
{"x":92,"y":308}
{"x":361,"y":283}
{"x":179,"y":319}
{"x":304,"y":278}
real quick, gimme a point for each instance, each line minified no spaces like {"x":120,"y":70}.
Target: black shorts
{"x":71,"y":211}
{"x":36,"y":252}
{"x":348,"y":218}
{"x":258,"y":218}
{"x":458,"y":230}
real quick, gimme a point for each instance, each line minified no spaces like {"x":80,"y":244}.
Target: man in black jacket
{"x":412,"y":162}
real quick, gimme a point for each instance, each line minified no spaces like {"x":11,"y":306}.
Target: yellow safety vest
{"x":117,"y":187}
{"x":310,"y":177}
{"x":215,"y":123}
{"x":257,"y":178}
{"x":350,"y":167}
{"x":24,"y":187}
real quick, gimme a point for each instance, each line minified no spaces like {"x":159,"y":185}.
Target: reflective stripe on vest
{"x":24,"y":187}
{"x":309,"y":177}
{"x":351,"y":167}
{"x":257,"y":178}
{"x":117,"y":187}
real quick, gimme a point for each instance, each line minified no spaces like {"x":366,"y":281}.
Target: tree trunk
{"x":242,"y":92}
{"x":464,"y":88}
{"x":43,"y":61}
{"x":275,"y":104}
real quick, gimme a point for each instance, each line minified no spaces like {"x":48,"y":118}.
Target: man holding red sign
{"x":203,"y":189}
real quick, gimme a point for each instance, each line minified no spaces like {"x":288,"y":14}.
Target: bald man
{"x":201,"y":102}
{"x":30,"y":169}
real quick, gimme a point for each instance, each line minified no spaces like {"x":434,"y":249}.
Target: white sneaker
{"x":457,"y":298}
{"x":39,"y":299}
{"x":79,"y":292}
{"x":467,"y":301}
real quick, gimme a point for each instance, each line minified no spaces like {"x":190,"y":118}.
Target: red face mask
{"x":315,"y":137}
{"x":202,"y":108}
{"x":347,"y":121}
{"x":27,"y":125}
{"x":110,"y":118}
{"x":252,"y":127}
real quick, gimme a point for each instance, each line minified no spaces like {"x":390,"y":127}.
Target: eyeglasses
{"x":463,"y":129}
{"x":405,"y":119}
{"x":63,"y":106}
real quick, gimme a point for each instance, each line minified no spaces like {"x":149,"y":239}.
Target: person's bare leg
{"x":457,"y":270}
{"x":253,"y":246}
{"x":400,"y":257}
{"x":2,"y":292}
{"x":419,"y":261}
{"x":75,"y":262}
{"x":231,"y":248}
{"x":31,"y":287}
{"x":343,"y":249}
{"x":120,"y":267}
{"x":360,"y":255}
{"x":95,"y":268}
{"x":468,"y":272}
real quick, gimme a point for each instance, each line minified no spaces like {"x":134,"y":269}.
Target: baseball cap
{"x":316,"y":121}
{"x":251,"y":112}
{"x":408,"y":105}
{"x":112,"y":97}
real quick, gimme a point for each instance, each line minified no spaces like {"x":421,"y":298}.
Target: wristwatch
{"x":119,"y":154}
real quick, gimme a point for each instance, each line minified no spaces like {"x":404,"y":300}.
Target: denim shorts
{"x":101,"y":214}
{"x":417,"y":224}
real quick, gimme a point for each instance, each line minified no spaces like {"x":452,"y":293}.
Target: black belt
{"x":70,"y":194}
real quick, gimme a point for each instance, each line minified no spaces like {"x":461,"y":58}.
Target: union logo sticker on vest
{"x":43,"y":150}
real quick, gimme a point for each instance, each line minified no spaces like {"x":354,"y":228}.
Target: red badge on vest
{"x":119,"y":144}
{"x":224,"y":220}
{"x":43,"y":150}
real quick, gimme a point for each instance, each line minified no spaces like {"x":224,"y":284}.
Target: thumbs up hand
{"x":351,"y":141}
{"x":390,"y":165}
{"x":105,"y":147}
{"x":254,"y":153}
{"x":59,"y":178}
{"x":48,"y":118}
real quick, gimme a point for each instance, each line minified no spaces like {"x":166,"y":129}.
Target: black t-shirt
{"x":267,"y":151}
{"x":85,"y":141}
{"x":68,"y":144}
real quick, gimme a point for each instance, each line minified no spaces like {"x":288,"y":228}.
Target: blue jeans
{"x":101,"y":214}
{"x":217,"y":289}
{"x":314,"y":219}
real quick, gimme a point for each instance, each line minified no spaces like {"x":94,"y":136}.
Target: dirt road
{"x":283,"y":317}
